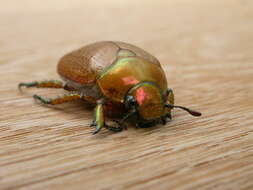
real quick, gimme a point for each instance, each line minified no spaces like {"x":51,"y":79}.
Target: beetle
{"x":119,"y":79}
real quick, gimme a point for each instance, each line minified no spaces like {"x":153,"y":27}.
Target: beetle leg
{"x":99,"y":121}
{"x":114,"y":129}
{"x":163,"y":120}
{"x":169,"y":116}
{"x":46,"y":84}
{"x":170,"y":96}
{"x":121,"y":124}
{"x":89,"y":99}
{"x":42,"y":84}
{"x":59,"y":100}
{"x":170,"y":99}
{"x":125,"y":118}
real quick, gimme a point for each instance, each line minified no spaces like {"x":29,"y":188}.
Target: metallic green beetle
{"x":120,"y":79}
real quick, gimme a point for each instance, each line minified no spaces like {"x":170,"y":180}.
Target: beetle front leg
{"x":165,"y":117}
{"x":170,"y":96}
{"x":99,"y":121}
{"x":170,"y":99}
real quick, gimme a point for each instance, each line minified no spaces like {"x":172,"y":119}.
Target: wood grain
{"x":206,"y":49}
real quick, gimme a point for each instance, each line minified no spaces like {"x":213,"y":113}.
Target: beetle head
{"x":148,"y":100}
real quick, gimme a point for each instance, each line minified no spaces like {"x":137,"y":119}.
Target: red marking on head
{"x":130,"y":80}
{"x":141,"y":95}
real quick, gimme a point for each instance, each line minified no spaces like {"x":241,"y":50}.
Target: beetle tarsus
{"x":114,"y":129}
{"x":27,"y":85}
{"x":164,"y":120}
{"x":93,"y":124}
{"x":169,"y":116}
{"x":41,"y":99}
{"x":96,"y":131}
{"x":121,"y":124}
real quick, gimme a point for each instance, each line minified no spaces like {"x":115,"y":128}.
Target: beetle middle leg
{"x":99,"y":121}
{"x":122,"y":122}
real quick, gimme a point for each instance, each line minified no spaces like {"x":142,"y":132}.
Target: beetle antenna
{"x":192,"y":112}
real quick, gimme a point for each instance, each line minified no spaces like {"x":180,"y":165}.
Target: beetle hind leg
{"x":42,"y":84}
{"x":46,"y":84}
{"x":59,"y":100}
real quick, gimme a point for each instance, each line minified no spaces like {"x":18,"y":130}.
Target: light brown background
{"x":206,"y":49}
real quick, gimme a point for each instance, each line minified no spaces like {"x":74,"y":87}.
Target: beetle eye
{"x":130,"y":101}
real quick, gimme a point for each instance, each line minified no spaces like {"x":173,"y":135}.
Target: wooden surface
{"x":206,"y":48}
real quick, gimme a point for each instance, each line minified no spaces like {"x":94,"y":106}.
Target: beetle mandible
{"x":120,"y":79}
